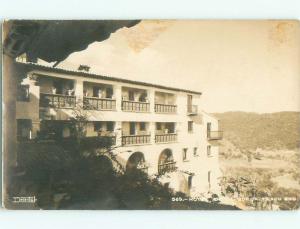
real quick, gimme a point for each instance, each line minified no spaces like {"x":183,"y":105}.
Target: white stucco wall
{"x":198,"y":165}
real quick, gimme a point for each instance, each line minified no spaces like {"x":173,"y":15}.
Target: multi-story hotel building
{"x":158,"y":129}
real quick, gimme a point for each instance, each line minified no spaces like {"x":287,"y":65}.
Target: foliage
{"x":259,"y":192}
{"x":267,"y":131}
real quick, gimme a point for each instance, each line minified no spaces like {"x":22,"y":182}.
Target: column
{"x":151,"y":96}
{"x":78,"y":89}
{"x":152,"y":132}
{"x":118,"y":97}
{"x":118,"y":132}
{"x":181,"y":103}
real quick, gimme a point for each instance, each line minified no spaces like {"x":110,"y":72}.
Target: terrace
{"x":165,"y":103}
{"x":135,"y":100}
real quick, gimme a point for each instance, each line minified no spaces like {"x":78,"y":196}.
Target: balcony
{"x":167,"y":167}
{"x":215,"y":135}
{"x":100,"y":141}
{"x":136,"y":139}
{"x":57,"y":100}
{"x":135,"y":106}
{"x":94,"y":103}
{"x":192,"y":109}
{"x":166,"y":138}
{"x":164,"y":108}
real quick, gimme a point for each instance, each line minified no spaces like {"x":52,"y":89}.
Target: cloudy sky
{"x":237,"y":65}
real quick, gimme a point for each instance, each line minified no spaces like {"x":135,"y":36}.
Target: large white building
{"x":158,"y":129}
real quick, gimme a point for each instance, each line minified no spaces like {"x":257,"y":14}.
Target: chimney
{"x":84,"y":68}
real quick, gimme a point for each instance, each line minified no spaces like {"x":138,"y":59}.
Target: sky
{"x":251,"y":66}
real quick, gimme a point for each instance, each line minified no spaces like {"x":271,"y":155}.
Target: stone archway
{"x":166,"y":162}
{"x":136,"y":162}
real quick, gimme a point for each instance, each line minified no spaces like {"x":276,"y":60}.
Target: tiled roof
{"x":33,"y":66}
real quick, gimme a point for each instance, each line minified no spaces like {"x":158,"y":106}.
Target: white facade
{"x":164,"y":126}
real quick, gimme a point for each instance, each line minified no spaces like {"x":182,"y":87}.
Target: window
{"x":109,"y":93}
{"x":190,"y":126}
{"x":184,"y":154}
{"x":189,"y":100}
{"x":208,"y":150}
{"x":132,"y":128}
{"x":58,"y":87}
{"x":97,"y":126}
{"x":208,"y":129}
{"x":24,"y":129}
{"x":189,"y":103}
{"x":143,"y":97}
{"x":23,"y":93}
{"x":195,"y":151}
{"x":209,"y":178}
{"x":131,"y":95}
{"x":166,"y":185}
{"x":97,"y":92}
{"x":51,"y":129}
{"x":190,"y":178}
{"x":170,"y":126}
{"x":142,"y":126}
{"x":158,"y":126}
{"x":110,"y":126}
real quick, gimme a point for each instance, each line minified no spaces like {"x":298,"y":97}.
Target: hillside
{"x":266,"y":131}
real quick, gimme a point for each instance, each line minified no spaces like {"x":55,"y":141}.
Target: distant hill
{"x":267,"y":131}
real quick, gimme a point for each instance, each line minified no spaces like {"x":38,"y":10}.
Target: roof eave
{"x":92,"y":75}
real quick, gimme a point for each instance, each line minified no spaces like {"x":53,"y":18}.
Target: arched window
{"x":166,"y":162}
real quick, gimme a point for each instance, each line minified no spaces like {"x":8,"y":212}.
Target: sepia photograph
{"x":151,"y":114}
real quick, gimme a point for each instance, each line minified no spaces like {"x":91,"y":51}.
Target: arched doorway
{"x":166,"y":162}
{"x":136,"y":162}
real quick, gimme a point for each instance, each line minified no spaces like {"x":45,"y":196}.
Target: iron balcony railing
{"x":214,"y":135}
{"x":165,"y":108}
{"x":192,"y":109}
{"x":165,"y":138}
{"x":167,"y":167}
{"x":57,"y":100}
{"x":93,"y":103}
{"x":136,"y":139}
{"x":135,"y":106}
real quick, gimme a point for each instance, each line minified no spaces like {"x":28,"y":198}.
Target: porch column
{"x":78,"y":89}
{"x":151,"y":96}
{"x":118,"y":132}
{"x":118,"y":97}
{"x":152,"y":132}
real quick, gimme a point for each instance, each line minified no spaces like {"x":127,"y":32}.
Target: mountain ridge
{"x":250,"y":130}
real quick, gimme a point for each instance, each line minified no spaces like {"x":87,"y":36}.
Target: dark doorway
{"x":132,"y":128}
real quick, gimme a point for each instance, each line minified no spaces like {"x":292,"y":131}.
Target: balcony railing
{"x":192,"y":109}
{"x":93,"y":103}
{"x":135,"y":139}
{"x":165,"y":108}
{"x":135,"y":106}
{"x":103,"y":141}
{"x":167,"y":167}
{"x":214,"y":135}
{"x":57,"y":100}
{"x":165,"y":138}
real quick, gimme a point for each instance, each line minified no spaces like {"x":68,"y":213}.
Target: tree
{"x":83,"y":173}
